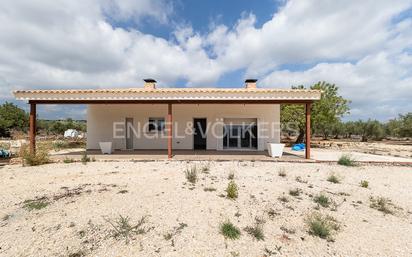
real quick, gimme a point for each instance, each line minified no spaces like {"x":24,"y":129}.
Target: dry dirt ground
{"x":180,"y":219}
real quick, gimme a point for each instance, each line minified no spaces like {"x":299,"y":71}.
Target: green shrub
{"x":191,"y":174}
{"x":68,"y":160}
{"x":230,"y":231}
{"x":364,"y":183}
{"x":322,"y":200}
{"x":232,"y":190}
{"x":322,"y":226}
{"x":40,"y":157}
{"x":333,"y":179}
{"x":346,"y":160}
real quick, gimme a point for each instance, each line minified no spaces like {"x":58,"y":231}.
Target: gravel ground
{"x":181,"y":219}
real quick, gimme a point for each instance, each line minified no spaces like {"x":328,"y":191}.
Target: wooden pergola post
{"x":307,"y":145}
{"x":32,"y":131}
{"x":169,"y":131}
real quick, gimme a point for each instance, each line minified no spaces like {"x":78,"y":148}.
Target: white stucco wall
{"x":100,"y":119}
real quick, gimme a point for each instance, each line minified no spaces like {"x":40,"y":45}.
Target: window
{"x":156,"y":124}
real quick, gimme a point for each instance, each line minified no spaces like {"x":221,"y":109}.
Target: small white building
{"x":223,"y":119}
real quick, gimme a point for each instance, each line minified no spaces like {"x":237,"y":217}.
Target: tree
{"x":370,"y":129}
{"x":328,"y":111}
{"x":405,"y":125}
{"x":12,"y":118}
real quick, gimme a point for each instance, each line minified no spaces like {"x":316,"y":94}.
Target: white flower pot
{"x":106,"y":147}
{"x":275,"y":150}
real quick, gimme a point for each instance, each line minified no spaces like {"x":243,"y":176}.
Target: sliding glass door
{"x":240,"y":136}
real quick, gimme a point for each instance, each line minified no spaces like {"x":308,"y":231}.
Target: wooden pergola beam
{"x":169,"y":131}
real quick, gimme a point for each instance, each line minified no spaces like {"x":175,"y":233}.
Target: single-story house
{"x":223,"y":119}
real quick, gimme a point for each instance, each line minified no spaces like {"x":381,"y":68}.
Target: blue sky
{"x":365,"y":47}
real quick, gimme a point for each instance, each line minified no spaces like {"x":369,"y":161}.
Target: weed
{"x":287,"y":230}
{"x":228,"y":230}
{"x":209,"y":189}
{"x":40,"y":157}
{"x":232,"y":190}
{"x":191,"y":174}
{"x":322,"y":226}
{"x":282,"y":172}
{"x":333,"y":179}
{"x":381,"y":204}
{"x":322,"y":200}
{"x":269,"y":252}
{"x":176,"y":230}
{"x":300,"y":180}
{"x":206,"y":167}
{"x":123,"y":228}
{"x":35,"y":204}
{"x":231,"y":175}
{"x":346,"y":160}
{"x":283,"y":199}
{"x":68,"y":160}
{"x":123,"y":191}
{"x":295,"y":192}
{"x":256,"y":230}
{"x":85,"y":159}
{"x":364,"y":183}
{"x":77,"y":254}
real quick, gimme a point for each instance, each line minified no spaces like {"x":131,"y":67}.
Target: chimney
{"x":149,"y":84}
{"x":250,"y":83}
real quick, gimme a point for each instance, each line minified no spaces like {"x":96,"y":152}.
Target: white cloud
{"x":355,"y":44}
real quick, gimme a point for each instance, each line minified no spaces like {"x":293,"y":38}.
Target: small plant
{"x":206,"y":167}
{"x":322,"y":200}
{"x":123,"y":191}
{"x":346,"y":160}
{"x":209,"y":189}
{"x":35,"y":204}
{"x":85,"y":159}
{"x":123,"y":228}
{"x":230,"y":231}
{"x":256,"y":231}
{"x":232,"y":190}
{"x":295,"y":192}
{"x":283,"y":199}
{"x":282,"y":173}
{"x":300,"y":180}
{"x":381,"y":204}
{"x":68,"y":160}
{"x":364,"y":183}
{"x":77,"y":254}
{"x":176,"y":230}
{"x":333,"y":179}
{"x":191,"y":174}
{"x":231,"y":175}
{"x":60,"y":144}
{"x":39,"y":157}
{"x":322,"y":226}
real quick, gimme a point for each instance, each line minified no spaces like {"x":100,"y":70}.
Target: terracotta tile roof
{"x":164,"y":90}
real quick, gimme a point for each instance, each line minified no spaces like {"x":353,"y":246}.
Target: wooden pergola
{"x":33,"y":106}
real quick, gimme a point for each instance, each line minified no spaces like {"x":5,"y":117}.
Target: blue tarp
{"x":4,"y":154}
{"x":298,"y":147}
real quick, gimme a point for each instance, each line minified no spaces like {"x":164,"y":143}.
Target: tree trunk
{"x":300,"y":137}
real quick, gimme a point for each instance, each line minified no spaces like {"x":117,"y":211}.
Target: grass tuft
{"x":364,"y":183}
{"x":191,"y":174}
{"x":37,"y":204}
{"x":346,"y":160}
{"x":333,"y":179}
{"x":85,"y":159}
{"x":231,"y":175}
{"x":381,"y":204}
{"x":230,"y":231}
{"x":122,"y":228}
{"x":282,"y":172}
{"x":256,"y":231}
{"x":232,"y":190}
{"x":68,"y":160}
{"x":295,"y":192}
{"x":322,"y":200}
{"x":283,"y":199}
{"x":322,"y":226}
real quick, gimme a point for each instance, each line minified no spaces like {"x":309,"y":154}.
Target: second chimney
{"x":149,"y":84}
{"x":250,"y":83}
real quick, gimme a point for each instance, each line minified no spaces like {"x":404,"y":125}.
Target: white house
{"x":224,"y":119}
